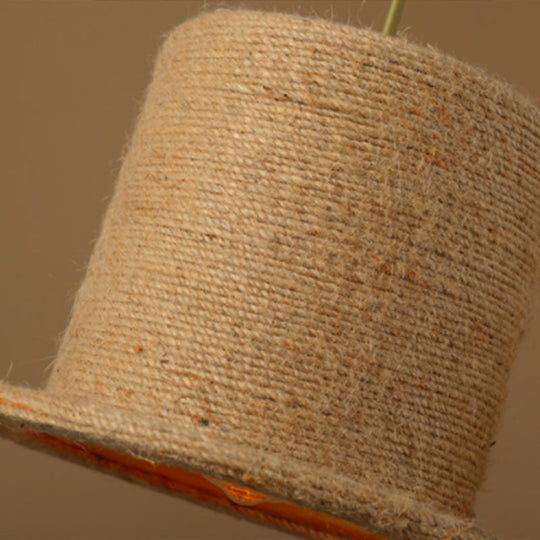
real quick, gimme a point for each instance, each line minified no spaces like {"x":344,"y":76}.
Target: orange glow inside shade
{"x":240,"y":494}
{"x":236,"y":498}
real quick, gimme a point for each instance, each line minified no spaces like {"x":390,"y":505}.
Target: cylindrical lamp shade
{"x":310,"y":281}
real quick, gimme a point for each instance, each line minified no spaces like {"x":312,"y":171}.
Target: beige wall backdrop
{"x":73,"y":75}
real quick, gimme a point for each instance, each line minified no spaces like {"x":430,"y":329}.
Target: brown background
{"x":73,"y":76}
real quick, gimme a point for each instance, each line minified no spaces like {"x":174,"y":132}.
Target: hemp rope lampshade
{"x":309,"y":284}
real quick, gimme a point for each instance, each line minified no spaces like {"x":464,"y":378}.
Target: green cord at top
{"x":392,"y":17}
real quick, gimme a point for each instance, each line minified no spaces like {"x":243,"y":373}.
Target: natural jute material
{"x":312,"y":276}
